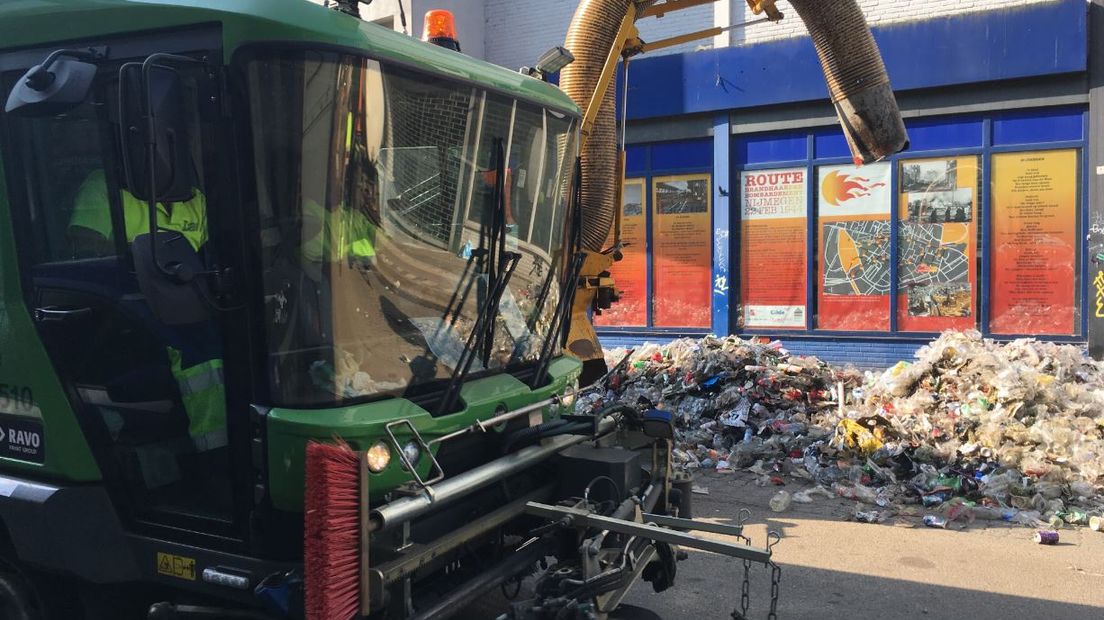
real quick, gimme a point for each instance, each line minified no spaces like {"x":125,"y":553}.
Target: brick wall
{"x":876,"y":11}
{"x":519,"y":30}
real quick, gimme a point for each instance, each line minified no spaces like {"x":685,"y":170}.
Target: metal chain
{"x":745,"y":590}
{"x":776,"y":589}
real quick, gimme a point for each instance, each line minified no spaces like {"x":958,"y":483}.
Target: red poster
{"x":937,"y":244}
{"x":772,"y":248}
{"x":853,"y":232}
{"x":630,"y":274}
{"x":1035,"y":243}
{"x":683,"y":256}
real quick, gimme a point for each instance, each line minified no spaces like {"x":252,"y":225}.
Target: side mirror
{"x":60,"y":83}
{"x":178,"y":300}
{"x":154,"y":133}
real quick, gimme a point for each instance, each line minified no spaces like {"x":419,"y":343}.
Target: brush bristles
{"x":331,"y":527}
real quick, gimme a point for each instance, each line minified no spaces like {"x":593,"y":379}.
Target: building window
{"x":978,"y":226}
{"x":853,"y":228}
{"x":682,"y":225}
{"x":937,"y":234}
{"x":773,"y":248}
{"x":1034,"y":251}
{"x":630,"y":273}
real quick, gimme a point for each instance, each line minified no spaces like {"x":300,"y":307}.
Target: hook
{"x":773,"y":538}
{"x":743,"y":516}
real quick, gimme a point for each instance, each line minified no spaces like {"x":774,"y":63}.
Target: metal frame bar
{"x":580,"y":517}
{"x":690,"y":525}
{"x":419,"y":555}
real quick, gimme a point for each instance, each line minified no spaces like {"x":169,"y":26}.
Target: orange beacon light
{"x":440,"y":29}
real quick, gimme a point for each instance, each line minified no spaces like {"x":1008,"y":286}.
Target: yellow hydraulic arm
{"x":594,"y":282}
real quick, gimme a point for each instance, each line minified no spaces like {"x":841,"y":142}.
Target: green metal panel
{"x":252,"y":21}
{"x":363,"y":425}
{"x":25,"y":367}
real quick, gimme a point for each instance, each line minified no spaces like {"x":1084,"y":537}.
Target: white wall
{"x":519,"y":31}
{"x":514,"y":33}
{"x":470,"y":22}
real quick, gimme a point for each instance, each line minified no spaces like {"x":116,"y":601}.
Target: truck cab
{"x":230,"y":230}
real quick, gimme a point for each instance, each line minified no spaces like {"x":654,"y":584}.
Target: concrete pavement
{"x":834,"y":568}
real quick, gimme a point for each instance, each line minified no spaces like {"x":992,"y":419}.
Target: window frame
{"x":646,"y":172}
{"x":984,"y":152}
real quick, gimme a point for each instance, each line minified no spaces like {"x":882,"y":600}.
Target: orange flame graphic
{"x":839,"y":188}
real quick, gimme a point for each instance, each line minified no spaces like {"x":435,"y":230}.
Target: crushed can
{"x":933,"y":499}
{"x":1096,"y":524}
{"x":1046,"y":537}
{"x":934,"y":521}
{"x":872,"y":516}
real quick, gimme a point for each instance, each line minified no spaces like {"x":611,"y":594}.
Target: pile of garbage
{"x":972,"y":429}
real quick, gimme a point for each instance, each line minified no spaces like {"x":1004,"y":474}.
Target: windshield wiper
{"x":481,"y":339}
{"x":477,"y":339}
{"x":560,"y":322}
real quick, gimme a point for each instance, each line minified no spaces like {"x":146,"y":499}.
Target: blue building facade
{"x":983,"y":223}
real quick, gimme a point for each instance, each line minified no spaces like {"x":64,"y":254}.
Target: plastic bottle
{"x":1096,"y":524}
{"x":781,"y":501}
{"x":991,"y":513}
{"x":857,"y":492}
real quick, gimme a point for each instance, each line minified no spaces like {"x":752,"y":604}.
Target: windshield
{"x":375,"y":186}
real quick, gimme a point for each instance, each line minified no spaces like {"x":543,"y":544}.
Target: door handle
{"x":51,"y":314}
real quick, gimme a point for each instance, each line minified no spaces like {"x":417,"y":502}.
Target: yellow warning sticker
{"x":176,"y":566}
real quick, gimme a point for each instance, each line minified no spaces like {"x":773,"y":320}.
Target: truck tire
{"x":18,"y":599}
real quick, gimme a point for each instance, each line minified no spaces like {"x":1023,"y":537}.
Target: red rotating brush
{"x":332,"y":534}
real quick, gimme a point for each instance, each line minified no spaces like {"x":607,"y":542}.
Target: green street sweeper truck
{"x":285,"y":299}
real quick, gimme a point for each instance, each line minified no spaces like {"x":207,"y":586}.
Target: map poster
{"x":682,"y":259}
{"x":853,"y":230}
{"x":1034,"y":243}
{"x":630,"y":274}
{"x":937,"y":244}
{"x":772,"y":248}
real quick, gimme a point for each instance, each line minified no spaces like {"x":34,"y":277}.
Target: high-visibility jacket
{"x":201,"y":386}
{"x":92,"y":210}
{"x":203,"y":393}
{"x":341,"y":233}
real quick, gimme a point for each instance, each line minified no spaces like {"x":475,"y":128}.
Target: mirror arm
{"x":175,"y":274}
{"x":42,"y":78}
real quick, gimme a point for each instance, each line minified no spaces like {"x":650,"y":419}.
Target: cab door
{"x":151,"y":395}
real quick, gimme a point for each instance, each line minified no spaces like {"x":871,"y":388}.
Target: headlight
{"x":568,"y":397}
{"x":412,"y":452}
{"x":379,"y":457}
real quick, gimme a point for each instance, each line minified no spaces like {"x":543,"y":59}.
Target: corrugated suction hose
{"x":853,"y":68}
{"x":857,"y":79}
{"x":591,"y":36}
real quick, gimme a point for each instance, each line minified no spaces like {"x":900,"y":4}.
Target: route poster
{"x":1035,"y":243}
{"x":853,"y":230}
{"x":630,"y":274}
{"x":772,"y":248}
{"x":682,"y":259}
{"x":937,"y":244}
